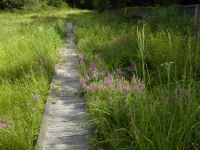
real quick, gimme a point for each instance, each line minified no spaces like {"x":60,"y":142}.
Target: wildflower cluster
{"x":94,"y":79}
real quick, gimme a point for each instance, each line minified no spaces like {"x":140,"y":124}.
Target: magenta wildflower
{"x":81,"y":57}
{"x":92,"y":67}
{"x":3,"y":126}
{"x":109,"y":79}
{"x":125,"y":90}
{"x":82,"y":82}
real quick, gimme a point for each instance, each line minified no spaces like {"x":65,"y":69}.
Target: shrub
{"x":11,"y":3}
{"x":109,"y":4}
{"x":57,"y":3}
{"x":31,"y":4}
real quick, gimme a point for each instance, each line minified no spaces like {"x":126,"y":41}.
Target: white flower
{"x":167,"y":64}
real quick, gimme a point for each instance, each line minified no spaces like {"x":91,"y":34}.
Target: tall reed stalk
{"x":141,"y":49}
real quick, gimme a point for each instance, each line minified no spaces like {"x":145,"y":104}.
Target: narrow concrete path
{"x":63,"y":125}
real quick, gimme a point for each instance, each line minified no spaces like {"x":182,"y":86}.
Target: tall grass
{"x":29,"y":50}
{"x":141,"y":81}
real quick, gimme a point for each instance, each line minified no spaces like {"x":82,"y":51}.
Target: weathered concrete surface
{"x":63,"y":125}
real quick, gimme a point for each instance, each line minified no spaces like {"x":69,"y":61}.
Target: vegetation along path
{"x":63,"y":125}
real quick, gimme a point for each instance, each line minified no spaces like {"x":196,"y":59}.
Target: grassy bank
{"x":141,"y":80}
{"x":29,"y":49}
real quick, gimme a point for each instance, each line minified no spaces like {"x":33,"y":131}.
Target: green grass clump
{"x":29,"y":50}
{"x":141,"y":81}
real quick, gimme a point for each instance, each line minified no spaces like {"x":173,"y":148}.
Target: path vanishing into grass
{"x":63,"y":125}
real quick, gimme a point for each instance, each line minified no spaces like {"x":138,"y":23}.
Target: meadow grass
{"x":140,"y":77}
{"x":141,"y":80}
{"x":29,"y":49}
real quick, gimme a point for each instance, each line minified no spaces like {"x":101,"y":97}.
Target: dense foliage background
{"x":89,"y":4}
{"x":110,"y":4}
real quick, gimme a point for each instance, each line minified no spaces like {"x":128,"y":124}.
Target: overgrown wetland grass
{"x":29,"y":49}
{"x":140,"y":77}
{"x":141,"y":80}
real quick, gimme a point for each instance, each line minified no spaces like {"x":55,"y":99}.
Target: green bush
{"x":57,"y":3}
{"x":109,"y":4}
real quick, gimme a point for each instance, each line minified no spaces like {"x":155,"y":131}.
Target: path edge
{"x":44,"y":122}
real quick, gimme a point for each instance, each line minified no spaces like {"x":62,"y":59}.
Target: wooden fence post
{"x":197,"y":17}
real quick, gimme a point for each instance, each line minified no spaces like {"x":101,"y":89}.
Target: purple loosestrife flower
{"x":94,"y":71}
{"x":92,"y":67}
{"x":3,"y":126}
{"x":109,"y":79}
{"x":125,"y":90}
{"x":81,"y":57}
{"x":82,"y":82}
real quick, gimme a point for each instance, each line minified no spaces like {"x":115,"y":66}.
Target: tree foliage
{"x":29,"y":3}
{"x":11,"y":3}
{"x":113,"y":4}
{"x":108,"y":4}
{"x":90,"y":4}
